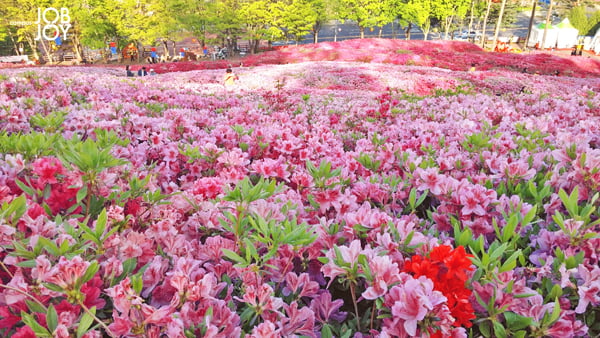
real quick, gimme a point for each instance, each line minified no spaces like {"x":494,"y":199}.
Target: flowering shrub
{"x":310,"y":199}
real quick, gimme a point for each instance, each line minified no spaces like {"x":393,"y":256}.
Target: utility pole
{"x":498,"y":24}
{"x":487,"y":13}
{"x":530,"y":23}
{"x":548,"y":23}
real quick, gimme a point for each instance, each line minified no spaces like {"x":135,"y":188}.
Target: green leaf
{"x":101,"y":223}
{"x":129,"y":265}
{"x":511,"y":262}
{"x":326,"y":331}
{"x":35,"y":306}
{"x":555,"y":312}
{"x":30,"y":321}
{"x":14,"y":210}
{"x":517,"y":322}
{"x":52,"y":318}
{"x":49,"y":245}
{"x":412,"y":198}
{"x":89,"y":273}
{"x":499,"y":330}
{"x":53,"y":287}
{"x":485,"y":329}
{"x":27,"y":264}
{"x":81,"y":194}
{"x":233,"y":256}
{"x":519,"y":334}
{"x":85,"y":322}
{"x":26,"y":189}
{"x":555,"y":292}
{"x":137,"y":283}
{"x":323,"y":260}
{"x":529,"y":216}
{"x":251,"y":252}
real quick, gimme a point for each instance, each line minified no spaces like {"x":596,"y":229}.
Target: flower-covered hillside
{"x":454,"y":55}
{"x":310,"y":199}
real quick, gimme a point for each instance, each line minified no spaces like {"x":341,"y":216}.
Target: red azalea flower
{"x":447,"y":268}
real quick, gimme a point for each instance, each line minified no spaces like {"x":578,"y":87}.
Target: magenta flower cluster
{"x":292,"y":203}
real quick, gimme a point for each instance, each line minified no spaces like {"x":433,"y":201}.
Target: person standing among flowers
{"x":229,"y":78}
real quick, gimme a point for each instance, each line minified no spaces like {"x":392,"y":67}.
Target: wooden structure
{"x":130,"y":52}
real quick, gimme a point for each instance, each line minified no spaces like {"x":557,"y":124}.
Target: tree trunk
{"x":254,"y":46}
{"x":448,"y":24}
{"x":547,"y":24}
{"x":362,"y":32}
{"x":315,"y":30}
{"x":530,"y":23}
{"x":77,"y":47}
{"x":166,"y":48}
{"x":140,"y":53}
{"x":12,"y":39}
{"x":47,"y":51}
{"x":499,"y":24}
{"x":380,"y":32}
{"x":33,"y":47}
{"x":472,"y":15}
{"x":485,"y":19}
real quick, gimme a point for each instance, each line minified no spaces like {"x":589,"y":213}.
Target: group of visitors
{"x":229,"y":78}
{"x":141,"y":72}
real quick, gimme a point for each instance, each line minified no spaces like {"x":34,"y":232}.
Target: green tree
{"x":227,"y":23}
{"x":141,"y":21}
{"x":366,"y":13}
{"x":257,"y":19}
{"x":447,"y":11}
{"x":594,"y":23}
{"x":586,"y":24}
{"x":418,"y":12}
{"x":93,"y":24}
{"x":578,"y":18}
{"x":295,"y":18}
{"x":22,"y":12}
{"x":387,"y":14}
{"x":324,"y":11}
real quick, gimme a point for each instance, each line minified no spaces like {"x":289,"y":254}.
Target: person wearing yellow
{"x":229,"y":78}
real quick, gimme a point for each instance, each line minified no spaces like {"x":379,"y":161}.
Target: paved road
{"x":344,"y":31}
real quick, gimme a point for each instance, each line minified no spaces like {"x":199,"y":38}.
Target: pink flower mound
{"x":4,"y":65}
{"x":312,"y":198}
{"x":454,"y":55}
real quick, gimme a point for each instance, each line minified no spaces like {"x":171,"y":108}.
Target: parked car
{"x":469,"y":35}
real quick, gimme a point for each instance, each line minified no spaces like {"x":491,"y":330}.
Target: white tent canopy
{"x":537,"y":34}
{"x":567,"y":34}
{"x":595,"y":45}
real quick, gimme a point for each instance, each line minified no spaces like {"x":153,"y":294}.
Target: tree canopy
{"x":96,"y":23}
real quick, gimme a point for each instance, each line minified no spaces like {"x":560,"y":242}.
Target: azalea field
{"x":371,"y":188}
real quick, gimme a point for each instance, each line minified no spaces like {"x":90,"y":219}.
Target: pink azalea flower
{"x":429,"y":179}
{"x":67,"y":272}
{"x":18,"y":282}
{"x":298,"y":321}
{"x":385,"y":274}
{"x":589,"y":290}
{"x":265,"y":330}
{"x":412,"y":300}
{"x":349,"y":255}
